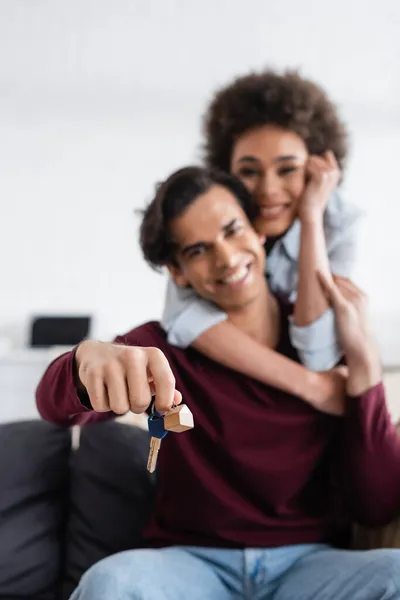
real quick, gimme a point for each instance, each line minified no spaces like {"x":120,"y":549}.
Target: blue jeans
{"x":306,"y":572}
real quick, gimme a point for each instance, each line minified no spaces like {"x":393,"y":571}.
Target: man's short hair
{"x":172,"y":198}
{"x":269,"y":98}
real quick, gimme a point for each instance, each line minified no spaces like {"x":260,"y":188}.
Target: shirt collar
{"x":291,"y":240}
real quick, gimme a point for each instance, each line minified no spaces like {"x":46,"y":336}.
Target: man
{"x":253,"y":500}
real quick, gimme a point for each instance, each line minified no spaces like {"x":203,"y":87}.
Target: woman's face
{"x":271,"y":162}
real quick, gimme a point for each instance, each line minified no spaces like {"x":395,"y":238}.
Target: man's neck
{"x":259,"y":319}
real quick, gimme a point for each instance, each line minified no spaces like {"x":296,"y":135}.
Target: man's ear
{"x":178,"y":276}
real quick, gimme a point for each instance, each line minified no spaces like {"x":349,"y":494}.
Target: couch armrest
{"x":381,"y":537}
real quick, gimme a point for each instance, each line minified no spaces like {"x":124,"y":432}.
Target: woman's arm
{"x":186,"y":316}
{"x":230,"y":346}
{"x":313,"y":324}
{"x":190,"y":320}
{"x":327,"y":246}
{"x":313,"y":257}
{"x":311,"y":303}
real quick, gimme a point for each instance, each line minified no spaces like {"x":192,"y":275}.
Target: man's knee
{"x":113,"y":577}
{"x":102,"y":580}
{"x":385,"y":566}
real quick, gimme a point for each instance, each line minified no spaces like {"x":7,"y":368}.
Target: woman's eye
{"x":248,"y":172}
{"x":286,"y":170}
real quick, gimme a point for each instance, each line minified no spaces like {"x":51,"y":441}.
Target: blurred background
{"x":100,"y":99}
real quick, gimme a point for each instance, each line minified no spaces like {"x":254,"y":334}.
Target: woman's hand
{"x":324,"y":176}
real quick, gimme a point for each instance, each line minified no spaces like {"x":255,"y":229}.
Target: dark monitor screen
{"x":59,"y":330}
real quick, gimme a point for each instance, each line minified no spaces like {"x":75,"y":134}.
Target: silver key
{"x":155,"y":444}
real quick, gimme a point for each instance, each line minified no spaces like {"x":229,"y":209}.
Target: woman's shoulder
{"x":340,"y":213}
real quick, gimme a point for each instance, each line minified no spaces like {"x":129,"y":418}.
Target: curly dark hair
{"x":270,"y":98}
{"x":173,"y":197}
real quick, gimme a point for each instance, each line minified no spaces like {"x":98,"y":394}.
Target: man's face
{"x":219,"y":254}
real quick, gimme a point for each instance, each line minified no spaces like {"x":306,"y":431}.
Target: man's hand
{"x":329,"y":394}
{"x":324,"y":175}
{"x":355,"y":337}
{"x":350,"y":306}
{"x":124,"y":378}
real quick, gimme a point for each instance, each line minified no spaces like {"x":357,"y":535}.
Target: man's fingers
{"x":348,"y":293}
{"x":354,"y":296}
{"x":139,"y":389}
{"x":331,"y":290}
{"x":95,"y":387}
{"x":163,"y":380}
{"x":140,"y":400}
{"x":152,"y":387}
{"x":343,"y":370}
{"x":120,"y":378}
{"x":345,"y":284}
{"x":177,"y":398}
{"x":117,"y":388}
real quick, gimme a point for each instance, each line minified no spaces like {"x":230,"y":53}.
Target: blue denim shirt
{"x":186,"y":316}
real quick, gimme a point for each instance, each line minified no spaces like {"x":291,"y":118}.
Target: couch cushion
{"x":111,"y":495}
{"x":34,"y":459}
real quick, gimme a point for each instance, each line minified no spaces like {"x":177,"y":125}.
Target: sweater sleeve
{"x":369,"y":460}
{"x":57,"y":397}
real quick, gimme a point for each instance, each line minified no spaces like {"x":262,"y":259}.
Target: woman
{"x":282,"y":137}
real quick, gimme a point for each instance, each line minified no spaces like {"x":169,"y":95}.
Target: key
{"x":158,"y":432}
{"x":179,"y":419}
{"x":155,"y":444}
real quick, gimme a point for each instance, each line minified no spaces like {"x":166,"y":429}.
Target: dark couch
{"x":61,"y":510}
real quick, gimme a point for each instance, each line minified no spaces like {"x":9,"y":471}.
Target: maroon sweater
{"x":260,"y":468}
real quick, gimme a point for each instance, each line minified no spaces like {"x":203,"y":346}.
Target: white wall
{"x":101,"y":98}
{"x":68,"y":236}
